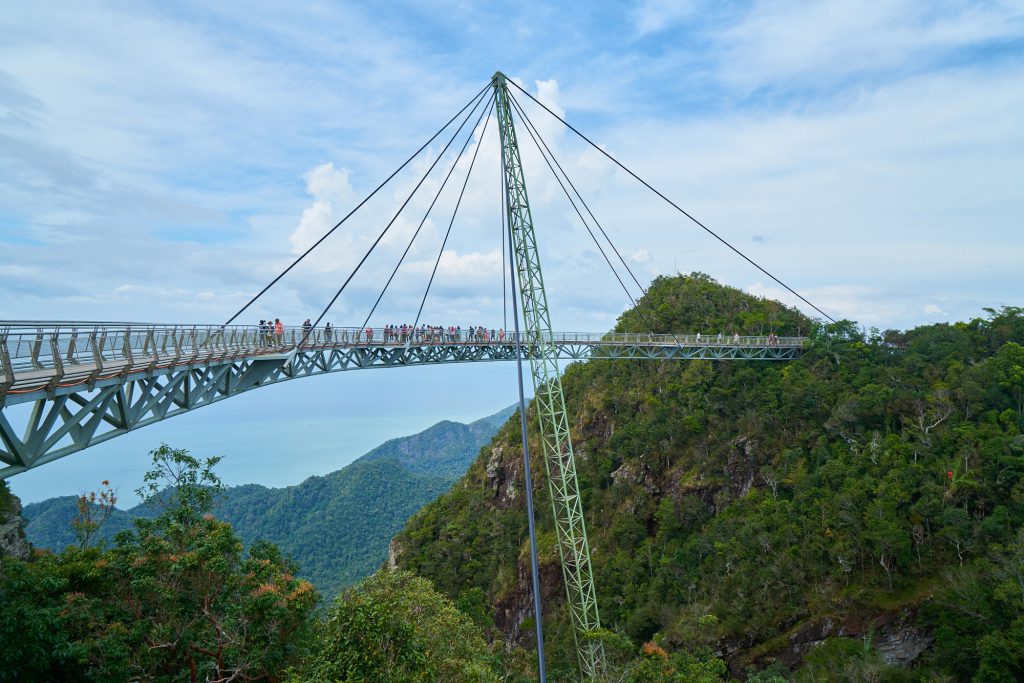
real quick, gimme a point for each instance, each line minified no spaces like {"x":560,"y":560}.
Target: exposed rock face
{"x":394,"y":550}
{"x":502,"y":474}
{"x":895,"y":639}
{"x":12,"y":535}
{"x":514,"y":608}
{"x":903,"y":646}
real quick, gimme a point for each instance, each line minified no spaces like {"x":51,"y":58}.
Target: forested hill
{"x":845,"y":514}
{"x":337,"y":527}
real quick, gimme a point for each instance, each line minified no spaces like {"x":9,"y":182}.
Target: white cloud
{"x":932,"y":309}
{"x":324,"y":182}
{"x":640,"y":256}
{"x":466,"y":269}
{"x":782,"y":41}
{"x":331,"y":192}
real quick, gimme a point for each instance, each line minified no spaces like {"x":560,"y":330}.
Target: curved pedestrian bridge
{"x":87,"y":382}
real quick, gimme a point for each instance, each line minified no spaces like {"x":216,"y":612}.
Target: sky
{"x":163,"y":161}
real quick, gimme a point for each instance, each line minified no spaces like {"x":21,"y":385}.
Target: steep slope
{"x":872,"y":488}
{"x":337,"y":526}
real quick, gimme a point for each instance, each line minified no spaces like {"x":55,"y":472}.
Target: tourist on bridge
{"x":327,"y":333}
{"x":369,"y":335}
{"x":279,"y":330}
{"x":307,"y":327}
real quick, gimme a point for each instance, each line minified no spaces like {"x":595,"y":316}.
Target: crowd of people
{"x":273,"y":331}
{"x":437,"y":334}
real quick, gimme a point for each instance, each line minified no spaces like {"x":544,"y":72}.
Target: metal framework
{"x":67,"y":386}
{"x":552,"y":422}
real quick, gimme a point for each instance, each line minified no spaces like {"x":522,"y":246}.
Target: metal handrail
{"x":42,"y":346}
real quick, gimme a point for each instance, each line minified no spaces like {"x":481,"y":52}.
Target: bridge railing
{"x":92,"y":349}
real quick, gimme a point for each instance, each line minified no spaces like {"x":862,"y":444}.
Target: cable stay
{"x":544,"y":155}
{"x":625,"y":264}
{"x":390,"y":223}
{"x":672,"y":203}
{"x":546,"y":152}
{"x":475,"y":99}
{"x":426,"y":215}
{"x":455,"y":212}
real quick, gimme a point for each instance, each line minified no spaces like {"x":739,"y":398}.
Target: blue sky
{"x":162,"y":161}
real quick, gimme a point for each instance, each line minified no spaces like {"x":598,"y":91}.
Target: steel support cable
{"x":390,"y":223}
{"x":327,"y":234}
{"x":528,"y":124}
{"x":573,"y":203}
{"x":455,"y":211}
{"x":586,"y":206}
{"x":426,"y":215}
{"x":673,"y":204}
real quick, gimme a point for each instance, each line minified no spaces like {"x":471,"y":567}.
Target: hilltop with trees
{"x":852,"y":512}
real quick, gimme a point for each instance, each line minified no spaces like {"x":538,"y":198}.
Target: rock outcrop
{"x":12,"y":533}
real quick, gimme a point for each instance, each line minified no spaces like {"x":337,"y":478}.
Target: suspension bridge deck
{"x":90,"y":382}
{"x":50,"y":360}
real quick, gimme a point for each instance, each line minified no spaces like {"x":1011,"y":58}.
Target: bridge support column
{"x":549,"y":401}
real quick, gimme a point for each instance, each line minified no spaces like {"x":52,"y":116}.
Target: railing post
{"x":150,"y":343}
{"x":176,"y":344}
{"x":58,"y":366}
{"x":127,"y":350}
{"x":37,"y":346}
{"x":7,"y":370}
{"x":97,"y":358}
{"x":72,"y":346}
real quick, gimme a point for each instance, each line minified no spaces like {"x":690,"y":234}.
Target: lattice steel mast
{"x":552,"y":421}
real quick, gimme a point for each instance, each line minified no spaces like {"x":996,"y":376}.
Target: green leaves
{"x":175,"y":599}
{"x":394,"y":627}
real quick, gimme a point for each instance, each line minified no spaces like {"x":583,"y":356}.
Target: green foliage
{"x":395,"y":627}
{"x":337,"y":527}
{"x":849,"y":484}
{"x":175,"y":599}
{"x":842,"y":660}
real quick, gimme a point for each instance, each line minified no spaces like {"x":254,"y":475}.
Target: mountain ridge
{"x":337,"y":526}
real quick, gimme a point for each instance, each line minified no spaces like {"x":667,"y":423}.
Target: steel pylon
{"x":552,"y":421}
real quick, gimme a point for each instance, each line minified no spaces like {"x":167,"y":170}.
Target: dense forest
{"x":336,"y":527}
{"x":852,"y":515}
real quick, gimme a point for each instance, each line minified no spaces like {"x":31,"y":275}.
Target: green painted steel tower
{"x":552,"y":422}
